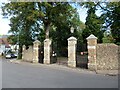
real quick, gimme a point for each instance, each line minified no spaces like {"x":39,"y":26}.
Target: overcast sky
{"x":4,"y":23}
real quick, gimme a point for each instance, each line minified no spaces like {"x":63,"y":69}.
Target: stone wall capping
{"x":91,"y":37}
{"x":107,"y":44}
{"x":47,"y":40}
{"x":36,"y":41}
{"x":72,"y":38}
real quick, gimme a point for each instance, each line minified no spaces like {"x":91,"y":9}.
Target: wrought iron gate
{"x":53,"y":53}
{"x":82,"y":56}
{"x":41,"y":54}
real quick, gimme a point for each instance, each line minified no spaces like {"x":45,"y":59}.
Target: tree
{"x":111,"y":15}
{"x":29,"y":19}
{"x":61,"y":32}
{"x":93,"y":22}
{"x":108,"y":37}
{"x":20,"y":23}
{"x":114,"y":16}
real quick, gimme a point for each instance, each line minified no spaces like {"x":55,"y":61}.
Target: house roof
{"x":4,"y":41}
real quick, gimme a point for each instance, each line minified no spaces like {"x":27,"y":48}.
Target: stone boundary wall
{"x":107,"y":56}
{"x":28,"y":54}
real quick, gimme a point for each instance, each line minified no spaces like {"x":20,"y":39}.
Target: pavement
{"x":17,"y":74}
{"x":54,"y":66}
{"x":104,"y":72}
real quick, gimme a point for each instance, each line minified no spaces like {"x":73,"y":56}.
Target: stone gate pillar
{"x":23,"y":49}
{"x":47,"y":46}
{"x":36,"y":45}
{"x":92,"y":42}
{"x":72,"y":41}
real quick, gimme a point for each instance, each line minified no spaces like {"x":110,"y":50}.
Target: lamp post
{"x":36,"y":38}
{"x":36,"y":35}
{"x":72,"y":30}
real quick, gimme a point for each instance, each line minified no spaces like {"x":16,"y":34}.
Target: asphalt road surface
{"x":42,"y":76}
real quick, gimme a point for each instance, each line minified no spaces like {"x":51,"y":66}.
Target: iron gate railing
{"x":82,"y":56}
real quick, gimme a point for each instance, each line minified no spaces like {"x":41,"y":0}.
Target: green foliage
{"x":111,"y":14}
{"x":115,"y":26}
{"x":108,"y":38}
{"x":93,"y":23}
{"x":12,"y":39}
{"x":34,"y":19}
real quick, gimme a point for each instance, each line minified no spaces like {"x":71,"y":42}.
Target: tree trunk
{"x":20,"y":52}
{"x":47,"y":30}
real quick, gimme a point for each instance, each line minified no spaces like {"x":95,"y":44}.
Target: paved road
{"x":40,"y":76}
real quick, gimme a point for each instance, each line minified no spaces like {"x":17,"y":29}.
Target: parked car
{"x":9,"y":55}
{"x":15,"y":54}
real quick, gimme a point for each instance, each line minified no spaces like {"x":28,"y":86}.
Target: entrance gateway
{"x":47,"y":53}
{"x":82,"y":55}
{"x":77,"y":54}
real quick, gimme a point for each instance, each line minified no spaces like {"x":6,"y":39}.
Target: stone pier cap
{"x":36,"y":42}
{"x":91,"y":37}
{"x":71,"y":38}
